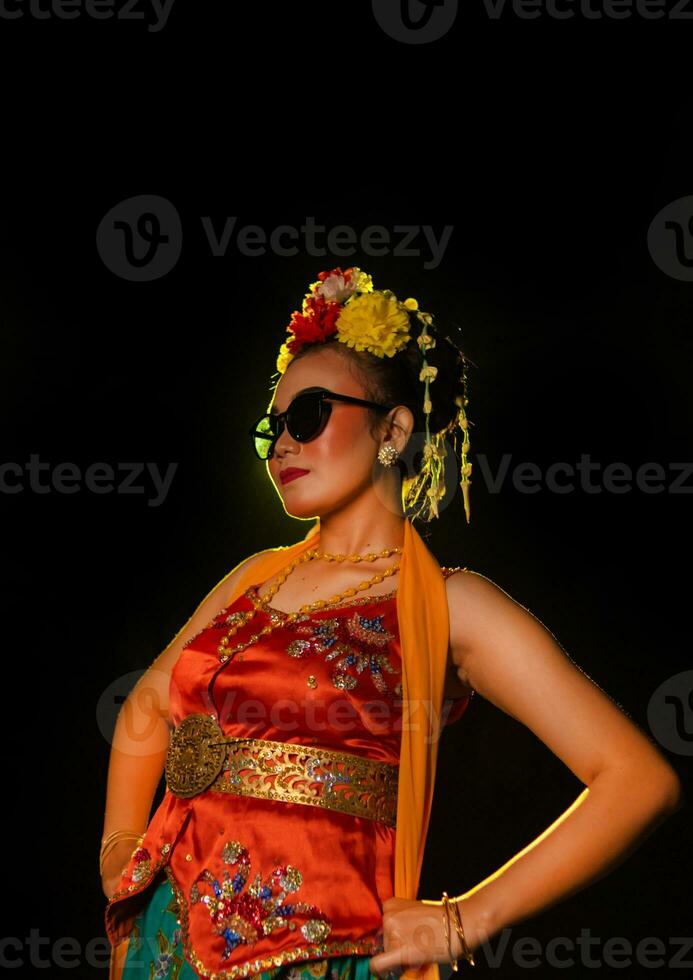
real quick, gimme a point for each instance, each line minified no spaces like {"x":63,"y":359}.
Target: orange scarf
{"x":422,"y":615}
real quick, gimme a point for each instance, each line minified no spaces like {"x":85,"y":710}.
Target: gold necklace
{"x":370,"y":556}
{"x":239,"y":619}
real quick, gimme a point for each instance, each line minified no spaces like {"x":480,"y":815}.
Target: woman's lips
{"x":292,"y":474}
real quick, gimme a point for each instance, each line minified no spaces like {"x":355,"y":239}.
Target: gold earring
{"x":387,"y":454}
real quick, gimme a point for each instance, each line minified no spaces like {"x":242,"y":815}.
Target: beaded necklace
{"x":238,"y":619}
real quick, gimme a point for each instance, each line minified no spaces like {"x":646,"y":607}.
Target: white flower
{"x":335,"y":290}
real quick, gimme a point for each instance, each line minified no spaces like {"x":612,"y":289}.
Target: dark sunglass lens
{"x":304,"y":416}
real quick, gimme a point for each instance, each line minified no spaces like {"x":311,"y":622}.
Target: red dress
{"x":308,"y":882}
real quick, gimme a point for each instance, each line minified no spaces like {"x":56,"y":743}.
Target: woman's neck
{"x":338,"y":538}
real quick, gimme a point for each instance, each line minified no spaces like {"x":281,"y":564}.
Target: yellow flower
{"x":428,"y":373}
{"x":364,"y":283}
{"x":284,"y":358}
{"x":425,"y":341}
{"x":411,"y":304}
{"x":374,"y":322}
{"x":427,"y":406}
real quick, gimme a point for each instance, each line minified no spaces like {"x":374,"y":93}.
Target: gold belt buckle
{"x":195,"y":755}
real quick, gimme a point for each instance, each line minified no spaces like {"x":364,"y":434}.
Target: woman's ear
{"x":401,"y":425}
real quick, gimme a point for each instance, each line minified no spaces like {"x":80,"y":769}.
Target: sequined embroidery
{"x":271,"y":961}
{"x":143,"y":865}
{"x":244,"y":917}
{"x":143,"y":871}
{"x":222,"y":621}
{"x":353,"y":644}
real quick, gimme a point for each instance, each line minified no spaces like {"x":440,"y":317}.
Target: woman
{"x":301,"y":767}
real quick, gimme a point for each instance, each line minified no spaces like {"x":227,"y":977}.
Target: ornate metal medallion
{"x":194,"y":760}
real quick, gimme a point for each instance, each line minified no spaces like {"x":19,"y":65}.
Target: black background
{"x":549,"y":146}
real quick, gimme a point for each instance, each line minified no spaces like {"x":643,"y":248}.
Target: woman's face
{"x":341,"y":460}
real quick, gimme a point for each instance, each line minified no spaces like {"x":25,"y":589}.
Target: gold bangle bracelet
{"x":107,"y":851}
{"x":117,"y":834}
{"x":446,"y":924}
{"x":112,"y":840}
{"x":466,"y":951}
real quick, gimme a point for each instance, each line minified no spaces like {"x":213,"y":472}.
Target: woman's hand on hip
{"x":414,"y":936}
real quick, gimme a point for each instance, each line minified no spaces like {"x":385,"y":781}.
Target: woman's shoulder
{"x":246,"y":565}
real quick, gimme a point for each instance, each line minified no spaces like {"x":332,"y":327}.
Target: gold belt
{"x":201,"y":758}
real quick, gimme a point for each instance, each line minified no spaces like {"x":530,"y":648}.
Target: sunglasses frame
{"x":325,"y":397}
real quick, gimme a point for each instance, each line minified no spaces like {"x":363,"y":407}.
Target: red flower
{"x":316,"y":323}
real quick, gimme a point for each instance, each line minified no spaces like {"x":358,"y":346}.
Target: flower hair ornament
{"x":344,"y":305}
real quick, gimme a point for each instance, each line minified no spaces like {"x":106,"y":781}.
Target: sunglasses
{"x":305,"y":419}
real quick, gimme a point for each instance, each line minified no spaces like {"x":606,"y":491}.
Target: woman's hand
{"x":115,"y":864}
{"x":109,"y":884}
{"x":414,"y":935}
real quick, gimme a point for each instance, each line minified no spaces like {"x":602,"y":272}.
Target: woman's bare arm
{"x":512,"y":660}
{"x":142,"y":733}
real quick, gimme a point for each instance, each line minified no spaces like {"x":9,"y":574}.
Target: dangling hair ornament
{"x":344,"y":304}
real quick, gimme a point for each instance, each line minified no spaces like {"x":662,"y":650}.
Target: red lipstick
{"x":291,"y":473}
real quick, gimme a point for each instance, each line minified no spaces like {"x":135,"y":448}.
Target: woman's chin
{"x":298,"y":508}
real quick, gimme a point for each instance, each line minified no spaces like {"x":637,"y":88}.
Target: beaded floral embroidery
{"x":143,"y":865}
{"x":244,"y":917}
{"x":354,"y":644}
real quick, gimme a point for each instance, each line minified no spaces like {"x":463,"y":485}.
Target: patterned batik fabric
{"x":155,"y":951}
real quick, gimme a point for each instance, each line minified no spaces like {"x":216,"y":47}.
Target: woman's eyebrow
{"x":303,"y":391}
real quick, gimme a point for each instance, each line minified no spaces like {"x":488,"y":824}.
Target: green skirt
{"x":155,"y":951}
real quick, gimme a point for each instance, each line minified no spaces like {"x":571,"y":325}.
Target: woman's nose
{"x":283,"y":442}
